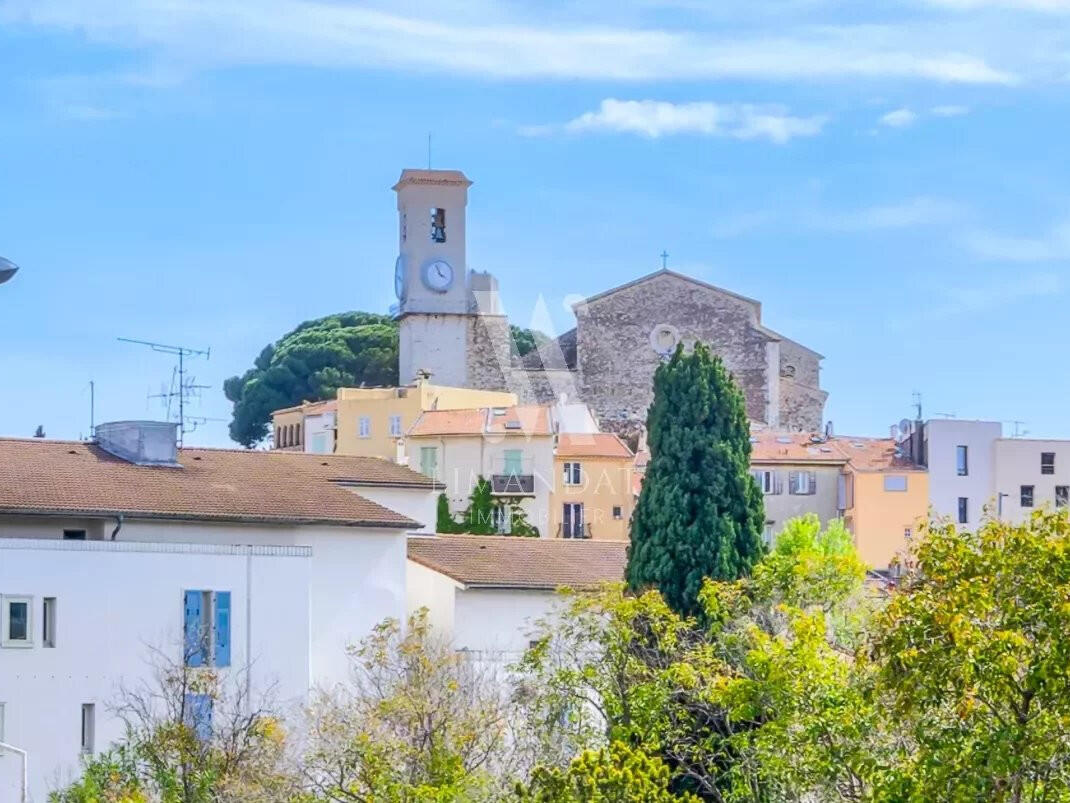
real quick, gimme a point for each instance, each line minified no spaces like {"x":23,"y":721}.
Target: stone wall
{"x":801,"y":408}
{"x":489,"y":355}
{"x":617,"y":359}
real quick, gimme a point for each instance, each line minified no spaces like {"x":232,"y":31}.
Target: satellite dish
{"x":7,"y":269}
{"x":904,"y":426}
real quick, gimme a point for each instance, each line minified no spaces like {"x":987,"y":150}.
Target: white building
{"x":488,"y":592}
{"x":113,"y":547}
{"x":974,"y":471}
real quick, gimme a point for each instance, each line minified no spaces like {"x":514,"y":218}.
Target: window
{"x":1047,"y":462}
{"x":768,"y":481}
{"x":74,"y":535}
{"x":907,"y":533}
{"x":48,"y":622}
{"x":962,"y":465}
{"x":198,"y":715}
{"x":395,"y":426}
{"x":513,"y":460}
{"x":895,"y":482}
{"x":1027,"y":496}
{"x":572,"y":474}
{"x":364,"y":427}
{"x":572,"y":520}
{"x":206,"y":629}
{"x":618,"y":512}
{"x":964,"y":510}
{"x":89,"y":726}
{"x":502,"y":519}
{"x":18,"y":622}
{"x":429,"y":460}
{"x":802,"y":483}
{"x":1062,"y":495}
{"x":767,"y":533}
{"x":438,"y":224}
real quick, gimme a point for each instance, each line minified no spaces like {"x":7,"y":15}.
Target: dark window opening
{"x":438,"y":224}
{"x":1062,"y":495}
{"x":1047,"y":462}
{"x":962,"y":466}
{"x":1027,"y":496}
{"x":74,"y":535}
{"x":964,"y":510}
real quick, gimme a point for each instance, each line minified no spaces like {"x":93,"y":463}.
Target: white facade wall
{"x":319,"y":433}
{"x":418,"y":504}
{"x":426,"y":588}
{"x":945,"y":485}
{"x":1018,"y":464}
{"x":500,"y":622}
{"x":115,"y":601}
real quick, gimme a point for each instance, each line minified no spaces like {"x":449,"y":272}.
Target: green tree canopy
{"x":700,"y":513}
{"x":310,"y":363}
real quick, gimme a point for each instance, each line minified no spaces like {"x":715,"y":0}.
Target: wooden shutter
{"x":194,"y":630}
{"x":778,"y":482}
{"x":222,"y":628}
{"x":811,"y":482}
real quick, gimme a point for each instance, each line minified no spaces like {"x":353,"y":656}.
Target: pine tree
{"x":700,"y":513}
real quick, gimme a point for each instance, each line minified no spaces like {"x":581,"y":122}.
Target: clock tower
{"x":431,"y":276}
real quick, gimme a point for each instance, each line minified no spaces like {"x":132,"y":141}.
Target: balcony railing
{"x":512,"y":484}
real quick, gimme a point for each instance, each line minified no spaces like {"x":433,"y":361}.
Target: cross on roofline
{"x":664,"y":259}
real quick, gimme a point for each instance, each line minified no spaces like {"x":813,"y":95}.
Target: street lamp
{"x":7,"y":269}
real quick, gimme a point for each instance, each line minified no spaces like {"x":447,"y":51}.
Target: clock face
{"x":399,"y":278}
{"x":438,"y":275}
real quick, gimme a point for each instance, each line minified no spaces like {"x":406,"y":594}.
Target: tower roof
{"x":432,"y":178}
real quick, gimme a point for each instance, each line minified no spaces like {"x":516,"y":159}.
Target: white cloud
{"x":1048,"y":6}
{"x":900,"y":118}
{"x":206,"y":34}
{"x":913,"y":212}
{"x":87,"y":113}
{"x":949,"y":111}
{"x":983,"y":297}
{"x":1053,"y":246}
{"x":656,"y":118}
{"x":909,"y":213}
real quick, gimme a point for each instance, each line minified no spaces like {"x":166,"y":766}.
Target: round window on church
{"x":664,"y":338}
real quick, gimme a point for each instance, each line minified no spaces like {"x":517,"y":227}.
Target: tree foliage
{"x":310,"y":363}
{"x":236,"y":755}
{"x":700,"y":514}
{"x":483,"y":512}
{"x":975,"y":656}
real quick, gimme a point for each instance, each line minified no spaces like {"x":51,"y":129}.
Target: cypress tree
{"x":700,"y":513}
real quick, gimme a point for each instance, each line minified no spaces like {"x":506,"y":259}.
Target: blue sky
{"x":891,"y":181}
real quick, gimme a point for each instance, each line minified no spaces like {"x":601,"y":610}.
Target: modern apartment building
{"x":975,"y":472}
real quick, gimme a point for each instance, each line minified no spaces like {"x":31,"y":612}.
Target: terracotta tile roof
{"x":524,"y":419}
{"x":597,"y":444}
{"x":489,"y":561}
{"x":71,"y":477}
{"x":528,"y":419}
{"x":874,"y":454}
{"x":450,"y":422}
{"x":768,"y":446}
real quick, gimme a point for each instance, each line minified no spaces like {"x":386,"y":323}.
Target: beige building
{"x":798,"y":474}
{"x":885,"y":498}
{"x":593,"y":494}
{"x":368,"y":422}
{"x":512,"y":447}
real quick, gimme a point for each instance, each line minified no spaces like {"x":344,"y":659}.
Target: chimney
{"x":143,"y":443}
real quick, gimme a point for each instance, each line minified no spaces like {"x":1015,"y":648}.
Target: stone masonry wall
{"x":617,"y":361}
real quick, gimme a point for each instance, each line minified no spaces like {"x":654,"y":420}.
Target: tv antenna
{"x":1019,"y":429}
{"x":181,"y":389}
{"x":917,"y":405}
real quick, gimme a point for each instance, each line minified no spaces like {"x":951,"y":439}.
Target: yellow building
{"x":885,"y":498}
{"x":593,"y":489}
{"x":368,"y":422}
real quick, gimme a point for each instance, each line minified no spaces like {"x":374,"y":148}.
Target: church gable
{"x":666,"y":281}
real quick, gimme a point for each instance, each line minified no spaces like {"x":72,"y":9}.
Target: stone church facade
{"x":452,"y":327}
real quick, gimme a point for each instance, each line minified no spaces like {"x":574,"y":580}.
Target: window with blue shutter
{"x":199,"y":715}
{"x":194,"y":631}
{"x":222,"y":628}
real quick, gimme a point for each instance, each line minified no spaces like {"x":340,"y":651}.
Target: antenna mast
{"x":183,"y":390}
